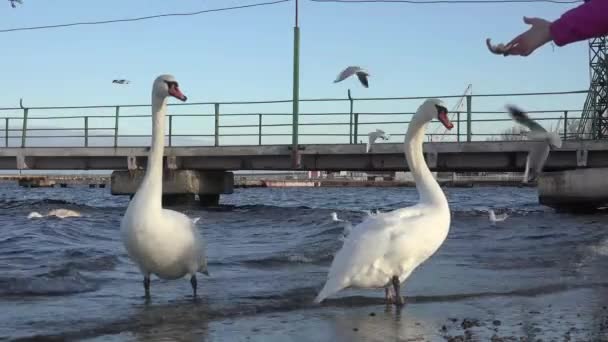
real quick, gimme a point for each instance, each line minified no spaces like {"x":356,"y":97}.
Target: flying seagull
{"x":544,"y":141}
{"x":121,"y":81}
{"x":352,"y":70}
{"x":20,"y":2}
{"x":498,"y":49}
{"x":373,"y":136}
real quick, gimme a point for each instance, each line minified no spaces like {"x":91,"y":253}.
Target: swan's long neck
{"x":152,"y":183}
{"x":428,"y":189}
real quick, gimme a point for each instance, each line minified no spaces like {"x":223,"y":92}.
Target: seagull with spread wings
{"x":544,"y":141}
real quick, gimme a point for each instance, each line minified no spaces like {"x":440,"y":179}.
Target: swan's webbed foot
{"x":147,"y":286}
{"x":194,"y":285}
{"x":398,"y":298}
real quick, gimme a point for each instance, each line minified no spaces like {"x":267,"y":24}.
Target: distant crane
{"x":459,"y":107}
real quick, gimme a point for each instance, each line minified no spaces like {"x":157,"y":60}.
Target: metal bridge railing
{"x":337,"y":120}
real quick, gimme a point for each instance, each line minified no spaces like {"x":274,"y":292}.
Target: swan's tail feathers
{"x":330,"y":288}
{"x":195,"y":220}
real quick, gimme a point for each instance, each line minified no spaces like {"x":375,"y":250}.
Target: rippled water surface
{"x":269,"y":250}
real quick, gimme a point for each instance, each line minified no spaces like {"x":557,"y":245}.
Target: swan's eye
{"x":171,"y":84}
{"x":441,"y":109}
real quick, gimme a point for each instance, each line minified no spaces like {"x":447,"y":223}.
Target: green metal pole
{"x":260,"y":129}
{"x":469,"y":118}
{"x":350,"y":131}
{"x":170,"y":129}
{"x":217,"y":125}
{"x":295,"y":160}
{"x":24,"y":130}
{"x":116,"y":126}
{"x":86,"y":131}
{"x":565,"y":124}
{"x":458,"y":126}
{"x":356,"y":128}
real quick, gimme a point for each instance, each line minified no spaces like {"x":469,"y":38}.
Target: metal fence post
{"x":469,"y":114}
{"x":116,"y":126}
{"x":350,"y":126}
{"x":565,"y":124}
{"x":170,"y":128}
{"x":6,"y":132}
{"x":259,"y":129}
{"x":356,"y":128}
{"x":86,"y":131}
{"x":24,"y":129}
{"x":458,"y":126}
{"x":217,"y":124}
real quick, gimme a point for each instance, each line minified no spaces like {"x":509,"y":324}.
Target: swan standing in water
{"x":539,"y":151}
{"x":384,"y":249}
{"x":161,"y":241}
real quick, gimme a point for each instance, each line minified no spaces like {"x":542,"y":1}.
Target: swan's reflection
{"x":383,"y":323}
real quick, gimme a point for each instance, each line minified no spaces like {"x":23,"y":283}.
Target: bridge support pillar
{"x":574,"y":190}
{"x":179,"y":186}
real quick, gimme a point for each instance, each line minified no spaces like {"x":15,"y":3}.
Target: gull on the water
{"x":121,"y":81}
{"x":354,"y":70}
{"x":347,"y":225}
{"x":61,"y":213}
{"x":373,"y":136}
{"x":497,"y":218}
{"x":542,"y":142}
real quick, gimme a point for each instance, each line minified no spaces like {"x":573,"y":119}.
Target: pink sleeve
{"x":586,"y":21}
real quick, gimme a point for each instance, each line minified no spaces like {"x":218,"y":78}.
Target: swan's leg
{"x":193,"y":283}
{"x":389,"y":295}
{"x":398,"y":298}
{"x":147,"y":285}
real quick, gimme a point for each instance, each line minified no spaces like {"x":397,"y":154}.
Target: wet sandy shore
{"x":572,"y":315}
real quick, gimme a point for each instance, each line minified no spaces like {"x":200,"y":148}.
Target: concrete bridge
{"x":199,"y":162}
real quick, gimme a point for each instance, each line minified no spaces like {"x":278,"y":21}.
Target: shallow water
{"x":268,"y":252}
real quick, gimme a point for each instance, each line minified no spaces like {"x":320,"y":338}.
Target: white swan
{"x":497,"y":218}
{"x":384,"y":249}
{"x":161,"y":241}
{"x":539,"y":151}
{"x":61,"y":213}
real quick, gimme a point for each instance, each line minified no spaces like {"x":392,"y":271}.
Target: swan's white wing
{"x":359,"y":261}
{"x":346,"y":73}
{"x":185,"y":227}
{"x":367,"y":242}
{"x":522,"y":118}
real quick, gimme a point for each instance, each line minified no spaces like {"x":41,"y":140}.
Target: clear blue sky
{"x":246,"y":54}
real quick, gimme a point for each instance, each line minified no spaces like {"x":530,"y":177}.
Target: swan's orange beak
{"x":175,"y":92}
{"x":443,"y":117}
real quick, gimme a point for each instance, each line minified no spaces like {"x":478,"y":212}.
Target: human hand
{"x":538,"y":35}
